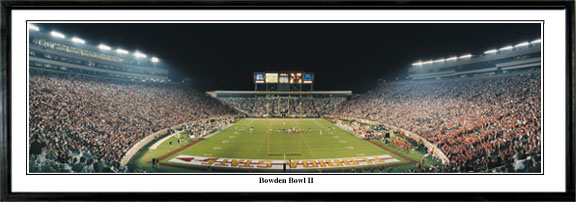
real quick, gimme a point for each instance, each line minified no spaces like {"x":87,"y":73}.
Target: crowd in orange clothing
{"x":104,"y":118}
{"x":479,"y":122}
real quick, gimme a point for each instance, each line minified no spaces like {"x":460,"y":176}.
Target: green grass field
{"x":333,"y":143}
{"x":237,"y":142}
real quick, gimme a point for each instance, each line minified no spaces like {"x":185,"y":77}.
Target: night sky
{"x":343,"y":56}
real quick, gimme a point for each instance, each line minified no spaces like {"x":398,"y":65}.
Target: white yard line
{"x":308,"y":146}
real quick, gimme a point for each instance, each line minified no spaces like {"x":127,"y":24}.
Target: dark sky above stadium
{"x":343,"y":56}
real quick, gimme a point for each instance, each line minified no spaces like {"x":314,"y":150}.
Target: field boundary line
{"x":392,"y":151}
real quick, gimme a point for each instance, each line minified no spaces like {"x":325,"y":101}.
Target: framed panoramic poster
{"x":260,"y":100}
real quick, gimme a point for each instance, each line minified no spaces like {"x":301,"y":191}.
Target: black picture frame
{"x":8,"y":6}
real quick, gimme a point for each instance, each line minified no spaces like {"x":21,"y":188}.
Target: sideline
{"x":155,"y":145}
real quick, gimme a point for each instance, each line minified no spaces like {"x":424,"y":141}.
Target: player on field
{"x":251,"y":130}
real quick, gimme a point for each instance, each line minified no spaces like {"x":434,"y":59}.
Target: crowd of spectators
{"x":201,"y":128}
{"x":480,"y":123}
{"x":284,"y":106}
{"x":79,"y":121}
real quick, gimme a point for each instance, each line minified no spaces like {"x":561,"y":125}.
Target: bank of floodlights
{"x":428,"y":62}
{"x":33,"y":27}
{"x":104,"y":47}
{"x":488,"y":52}
{"x":492,"y":51}
{"x":78,"y":40}
{"x":417,"y":63}
{"x":139,"y":55}
{"x":121,"y":51}
{"x":505,"y":48}
{"x":451,"y":59}
{"x":523,"y":44}
{"x":57,"y":34}
{"x":440,"y":60}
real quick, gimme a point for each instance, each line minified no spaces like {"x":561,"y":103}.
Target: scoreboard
{"x":284,"y":78}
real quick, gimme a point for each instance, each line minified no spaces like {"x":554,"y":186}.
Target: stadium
{"x":100,"y":108}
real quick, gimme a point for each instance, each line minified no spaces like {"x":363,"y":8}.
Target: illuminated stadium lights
{"x":521,"y":44}
{"x":490,"y":51}
{"x":439,"y":60}
{"x":536,"y":41}
{"x":78,"y":40}
{"x":428,"y":62}
{"x":104,"y":47}
{"x":451,"y":58}
{"x":139,"y":55}
{"x":121,"y":51}
{"x":506,"y":48}
{"x":417,"y":63}
{"x":57,"y":34}
{"x":154,"y":59}
{"x":465,"y":56}
{"x":33,"y":27}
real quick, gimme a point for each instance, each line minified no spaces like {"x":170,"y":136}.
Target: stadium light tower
{"x":78,"y":40}
{"x":121,"y":51}
{"x":104,"y":47}
{"x":490,"y":51}
{"x":33,"y":27}
{"x":57,"y":34}
{"x":154,"y":59}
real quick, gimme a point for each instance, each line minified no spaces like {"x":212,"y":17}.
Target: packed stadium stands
{"x":479,"y":122}
{"x":77,"y":120}
{"x":277,"y":106}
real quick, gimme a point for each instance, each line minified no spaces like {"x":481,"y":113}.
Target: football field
{"x":237,"y":142}
{"x":274,"y":144}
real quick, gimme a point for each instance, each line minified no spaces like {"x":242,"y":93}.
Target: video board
{"x":284,"y":77}
{"x":271,"y":77}
{"x":259,"y":77}
{"x":308,"y":78}
{"x":296,"y":78}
